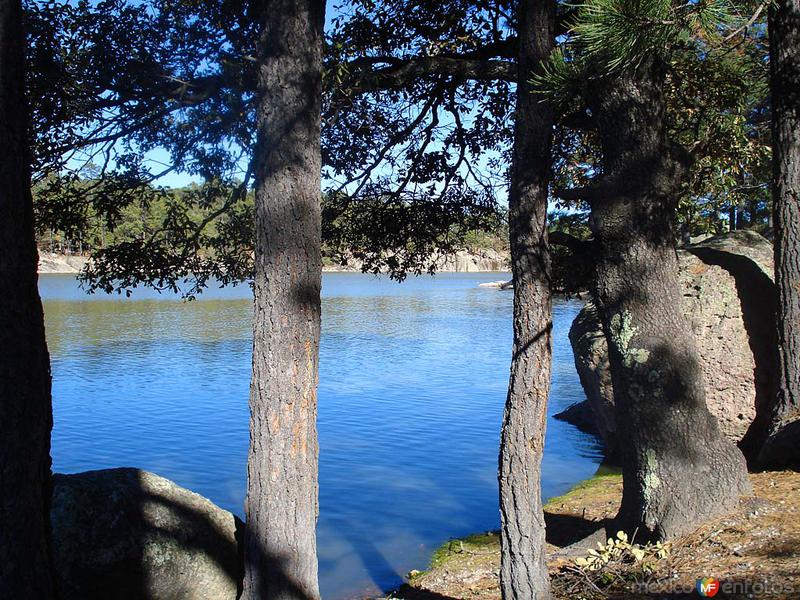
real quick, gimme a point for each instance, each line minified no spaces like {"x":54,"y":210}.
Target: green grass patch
{"x":604,"y":476}
{"x":476,"y":543}
{"x":480,"y":543}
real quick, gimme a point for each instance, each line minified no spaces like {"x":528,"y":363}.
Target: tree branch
{"x":401,"y":72}
{"x":562,"y":238}
{"x":587,"y":194}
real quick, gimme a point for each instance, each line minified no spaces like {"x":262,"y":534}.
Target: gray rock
{"x":50,"y":262}
{"x":500,"y":285}
{"x":581,"y":416}
{"x":126,"y":534}
{"x":463,"y":261}
{"x":729,"y":301}
{"x":591,"y":361}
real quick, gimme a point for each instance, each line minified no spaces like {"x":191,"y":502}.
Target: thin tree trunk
{"x":523,"y":573}
{"x":281,"y":505}
{"x":25,"y":406}
{"x":678,"y":469}
{"x":782,"y":446}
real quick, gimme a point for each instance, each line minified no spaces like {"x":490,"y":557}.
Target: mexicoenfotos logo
{"x":707,"y":587}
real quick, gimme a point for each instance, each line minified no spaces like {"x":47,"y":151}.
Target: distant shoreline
{"x":487,"y":261}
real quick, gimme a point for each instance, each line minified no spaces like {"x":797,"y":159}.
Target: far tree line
{"x":89,"y":231}
{"x":636,"y":111}
{"x":138,"y":220}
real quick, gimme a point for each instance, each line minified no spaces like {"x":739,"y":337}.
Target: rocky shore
{"x":50,"y":262}
{"x":463,"y":261}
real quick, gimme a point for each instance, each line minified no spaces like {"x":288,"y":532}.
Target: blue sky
{"x":159,"y":158}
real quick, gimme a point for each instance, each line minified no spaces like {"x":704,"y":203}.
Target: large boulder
{"x":729,"y":300}
{"x":126,"y":534}
{"x":596,"y":413}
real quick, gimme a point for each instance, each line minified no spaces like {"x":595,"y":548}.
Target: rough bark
{"x":281,"y":505}
{"x":25,"y":406}
{"x":523,"y":573}
{"x":678,"y":469}
{"x":782,"y":445}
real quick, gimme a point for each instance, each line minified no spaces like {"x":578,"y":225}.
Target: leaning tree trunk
{"x":678,"y":469}
{"x":523,"y":572}
{"x":281,"y":505}
{"x":782,"y":446}
{"x":25,"y":408}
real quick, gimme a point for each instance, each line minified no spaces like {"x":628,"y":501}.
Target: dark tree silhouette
{"x":25,"y":406}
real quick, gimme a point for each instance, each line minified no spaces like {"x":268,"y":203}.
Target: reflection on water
{"x":413,"y":378}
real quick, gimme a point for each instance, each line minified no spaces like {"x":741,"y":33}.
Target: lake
{"x":413,"y":378}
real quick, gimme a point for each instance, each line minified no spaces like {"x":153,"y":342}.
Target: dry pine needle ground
{"x":759,"y":544}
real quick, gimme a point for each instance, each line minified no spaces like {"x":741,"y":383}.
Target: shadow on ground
{"x":406,"y":592}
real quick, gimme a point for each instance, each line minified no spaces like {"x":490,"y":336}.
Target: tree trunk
{"x":782,"y":447}
{"x":25,"y":408}
{"x":523,"y":573}
{"x":281,"y":505}
{"x":678,"y":469}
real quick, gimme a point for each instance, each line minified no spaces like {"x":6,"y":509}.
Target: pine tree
{"x":678,"y":469}
{"x":282,"y":466}
{"x":782,"y":445}
{"x":523,"y":566}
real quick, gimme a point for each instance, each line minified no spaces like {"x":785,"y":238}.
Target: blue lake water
{"x":413,"y":378}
